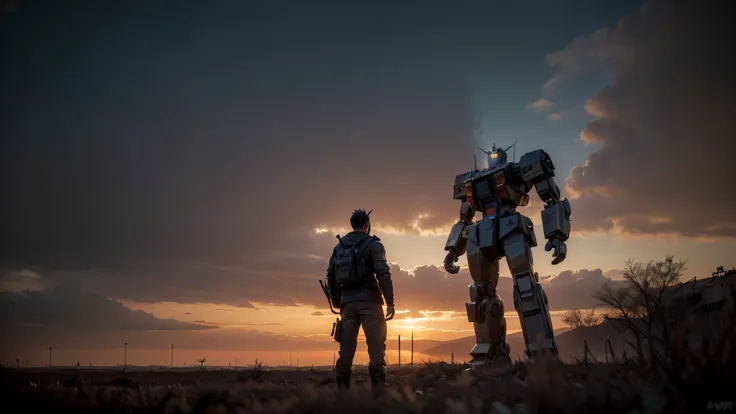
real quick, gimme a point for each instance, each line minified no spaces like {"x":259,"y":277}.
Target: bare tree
{"x":259,"y":368}
{"x":576,"y":318}
{"x":573,"y":318}
{"x":639,"y":307}
{"x":201,"y":362}
{"x":592,"y":319}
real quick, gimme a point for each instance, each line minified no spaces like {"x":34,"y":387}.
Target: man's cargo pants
{"x":370,"y":315}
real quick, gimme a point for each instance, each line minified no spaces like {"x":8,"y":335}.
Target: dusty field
{"x":543,"y":386}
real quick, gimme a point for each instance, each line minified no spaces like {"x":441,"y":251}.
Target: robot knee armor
{"x":474,"y":308}
{"x":487,"y":309}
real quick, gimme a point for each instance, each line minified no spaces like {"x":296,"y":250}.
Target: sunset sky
{"x":176,"y":172}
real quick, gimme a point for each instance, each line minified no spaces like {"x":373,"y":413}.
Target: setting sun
{"x":409,"y":323}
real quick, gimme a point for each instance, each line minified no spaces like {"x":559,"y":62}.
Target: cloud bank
{"x":72,"y":310}
{"x":426,"y":288}
{"x":665,"y":125}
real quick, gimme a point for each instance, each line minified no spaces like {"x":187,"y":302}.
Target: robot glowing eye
{"x":494,"y":155}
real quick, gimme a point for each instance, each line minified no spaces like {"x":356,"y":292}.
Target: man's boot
{"x":378,"y":377}
{"x":343,"y":380}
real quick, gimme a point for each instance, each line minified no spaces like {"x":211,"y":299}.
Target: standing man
{"x":359,"y":274}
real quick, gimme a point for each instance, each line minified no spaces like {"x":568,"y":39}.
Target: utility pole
{"x":236,"y":362}
{"x":399,"y":351}
{"x":289,"y":360}
{"x":412,"y":348}
{"x":125,"y":356}
{"x":172,"y":355}
{"x":49,"y":357}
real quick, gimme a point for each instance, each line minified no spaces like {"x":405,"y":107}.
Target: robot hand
{"x":560,"y":250}
{"x":450,"y":259}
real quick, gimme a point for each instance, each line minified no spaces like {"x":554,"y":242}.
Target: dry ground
{"x":544,"y":386}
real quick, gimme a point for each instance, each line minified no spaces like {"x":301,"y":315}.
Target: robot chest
{"x":484,"y":192}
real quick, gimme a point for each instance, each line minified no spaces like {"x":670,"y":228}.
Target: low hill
{"x":462,"y":346}
{"x":569,"y":342}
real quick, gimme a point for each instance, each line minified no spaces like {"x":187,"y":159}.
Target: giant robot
{"x":496,"y":192}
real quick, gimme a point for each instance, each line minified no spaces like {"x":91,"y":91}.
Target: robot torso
{"x":495,"y":192}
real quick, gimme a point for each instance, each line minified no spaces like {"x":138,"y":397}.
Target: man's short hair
{"x":360,"y":218}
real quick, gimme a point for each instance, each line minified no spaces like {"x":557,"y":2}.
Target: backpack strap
{"x":370,"y":240}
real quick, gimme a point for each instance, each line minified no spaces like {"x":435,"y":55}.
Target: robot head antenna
{"x":497,"y":156}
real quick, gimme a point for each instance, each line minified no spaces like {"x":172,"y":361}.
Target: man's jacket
{"x":377,"y":279}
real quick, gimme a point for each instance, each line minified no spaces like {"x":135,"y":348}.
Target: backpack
{"x":348,"y":269}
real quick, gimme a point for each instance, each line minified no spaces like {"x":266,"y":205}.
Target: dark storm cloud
{"x":224,"y":144}
{"x":187,"y":155}
{"x":72,"y":310}
{"x":665,"y":125}
{"x":288,"y":281}
{"x":6,"y":6}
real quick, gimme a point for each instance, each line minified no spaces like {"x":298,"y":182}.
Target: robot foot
{"x":487,"y":355}
{"x":486,"y":361}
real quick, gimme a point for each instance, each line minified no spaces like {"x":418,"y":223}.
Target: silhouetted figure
{"x":358,"y":280}
{"x":496,"y":192}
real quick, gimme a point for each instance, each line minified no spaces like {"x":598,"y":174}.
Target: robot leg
{"x":485,"y":310}
{"x":517,"y":235}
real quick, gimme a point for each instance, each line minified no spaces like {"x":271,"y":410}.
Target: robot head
{"x":496,"y":156}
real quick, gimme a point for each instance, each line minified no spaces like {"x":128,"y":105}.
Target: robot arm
{"x":537,"y":168}
{"x":458,"y":238}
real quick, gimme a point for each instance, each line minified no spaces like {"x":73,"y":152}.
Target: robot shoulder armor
{"x":459,"y":188}
{"x":536,"y":166}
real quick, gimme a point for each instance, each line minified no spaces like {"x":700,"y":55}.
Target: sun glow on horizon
{"x":409,"y":323}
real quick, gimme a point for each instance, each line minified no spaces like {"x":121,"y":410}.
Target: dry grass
{"x":685,"y":383}
{"x":542,"y":386}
